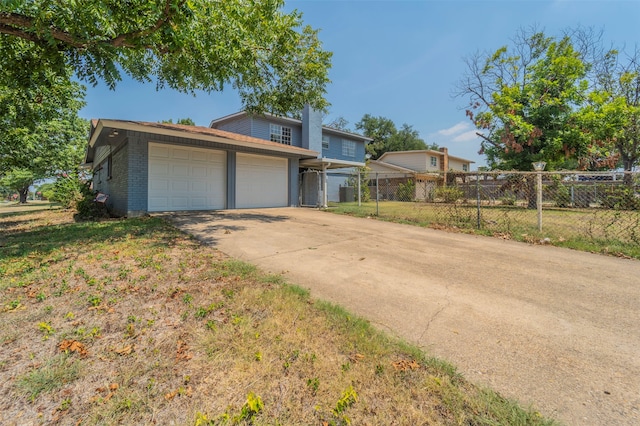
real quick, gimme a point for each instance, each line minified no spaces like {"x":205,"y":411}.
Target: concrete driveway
{"x":555,"y":328}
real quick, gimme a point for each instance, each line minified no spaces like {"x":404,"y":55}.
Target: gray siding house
{"x":248,"y":162}
{"x":339,"y":151}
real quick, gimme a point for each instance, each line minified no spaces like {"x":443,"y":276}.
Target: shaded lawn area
{"x":132,"y":322}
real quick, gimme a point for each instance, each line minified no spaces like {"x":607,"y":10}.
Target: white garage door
{"x":261,"y":181}
{"x":184,"y":178}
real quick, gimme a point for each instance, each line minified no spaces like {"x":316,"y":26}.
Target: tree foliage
{"x":524,"y":100}
{"x":612,"y":113}
{"x":184,"y":121}
{"x":40,"y":131}
{"x":386,"y":136}
{"x":273,"y":60}
{"x":18,"y":180}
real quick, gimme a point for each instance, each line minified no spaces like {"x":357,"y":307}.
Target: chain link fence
{"x":602,"y":207}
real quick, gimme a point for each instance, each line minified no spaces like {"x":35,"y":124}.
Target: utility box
{"x":347,"y":194}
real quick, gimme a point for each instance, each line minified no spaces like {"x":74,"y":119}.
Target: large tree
{"x":40,"y":132}
{"x":524,"y":101}
{"x":612,"y":114}
{"x":386,"y":136}
{"x":275,"y":63}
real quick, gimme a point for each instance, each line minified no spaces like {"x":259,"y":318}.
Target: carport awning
{"x":329,"y":163}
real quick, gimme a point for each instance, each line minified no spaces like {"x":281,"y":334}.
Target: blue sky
{"x":396,"y":59}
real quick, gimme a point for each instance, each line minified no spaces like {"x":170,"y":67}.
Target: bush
{"x":619,"y":198}
{"x":406,"y":191}
{"x":87,"y":208}
{"x":562,"y":196}
{"x":449,"y":194}
{"x":67,"y":190}
{"x":508,"y":200}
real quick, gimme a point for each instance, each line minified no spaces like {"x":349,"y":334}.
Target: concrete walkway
{"x":551,"y":327}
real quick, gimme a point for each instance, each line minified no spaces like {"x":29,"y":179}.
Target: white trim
{"x":331,"y":163}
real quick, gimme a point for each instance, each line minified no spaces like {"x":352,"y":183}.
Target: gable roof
{"x":423,"y":152}
{"x":103,"y":128}
{"x":289,"y":120}
{"x":390,"y":167}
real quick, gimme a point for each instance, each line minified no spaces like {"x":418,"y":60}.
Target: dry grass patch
{"x":132,"y":322}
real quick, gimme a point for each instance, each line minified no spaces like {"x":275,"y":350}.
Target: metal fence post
{"x":359,"y":197}
{"x":539,"y":200}
{"x":478,"y":197}
{"x":377,"y":196}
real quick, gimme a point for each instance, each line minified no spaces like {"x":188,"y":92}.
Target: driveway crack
{"x":437,"y":313}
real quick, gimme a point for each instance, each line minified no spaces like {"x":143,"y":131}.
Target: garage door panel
{"x":261,"y":181}
{"x":180,"y":186}
{"x":181,"y":154}
{"x":158,"y":151}
{"x":200,"y":172}
{"x":185,"y":178}
{"x":158,"y":185}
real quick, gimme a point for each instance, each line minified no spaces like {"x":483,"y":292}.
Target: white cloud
{"x":466,"y":137}
{"x":455,"y":129}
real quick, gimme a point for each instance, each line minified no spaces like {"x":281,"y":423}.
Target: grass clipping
{"x":132,"y":322}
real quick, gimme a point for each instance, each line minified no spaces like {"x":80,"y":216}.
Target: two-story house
{"x":338,"y":150}
{"x":426,"y":168}
{"x":241,"y":161}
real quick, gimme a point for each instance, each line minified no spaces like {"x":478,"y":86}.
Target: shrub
{"x":448,"y":194}
{"x":619,"y":198}
{"x":562,"y":196}
{"x":67,"y":190}
{"x":87,"y":208}
{"x":406,"y":191}
{"x":365,"y":192}
{"x":508,"y":200}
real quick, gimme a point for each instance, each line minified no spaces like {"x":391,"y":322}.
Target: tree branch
{"x":167,"y":14}
{"x":487,"y":139}
{"x":18,"y":25}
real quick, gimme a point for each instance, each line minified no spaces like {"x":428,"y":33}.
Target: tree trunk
{"x":24,"y":192}
{"x":627,"y":164}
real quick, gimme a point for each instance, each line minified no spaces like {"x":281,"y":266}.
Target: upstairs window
{"x":325,"y":142}
{"x":280,"y":134}
{"x":434,"y":161}
{"x":348,"y":148}
{"x":465,"y":167}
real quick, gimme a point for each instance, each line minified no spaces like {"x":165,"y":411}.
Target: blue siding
{"x":241,"y":126}
{"x":335,"y":149}
{"x":260,"y":129}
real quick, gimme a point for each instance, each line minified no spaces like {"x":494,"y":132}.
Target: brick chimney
{"x":444,"y":164}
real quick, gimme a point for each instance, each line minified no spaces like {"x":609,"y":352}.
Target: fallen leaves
{"x":404,"y":365}
{"x":182,"y":351}
{"x":125,"y":350}
{"x":354,"y":358}
{"x":110,"y":392}
{"x":73,"y":346}
{"x":181,"y":391}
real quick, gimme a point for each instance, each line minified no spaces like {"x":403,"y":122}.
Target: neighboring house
{"x":151,"y":167}
{"x":338,"y":150}
{"x":427,"y":161}
{"x":388,"y":178}
{"x":426,"y":168}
